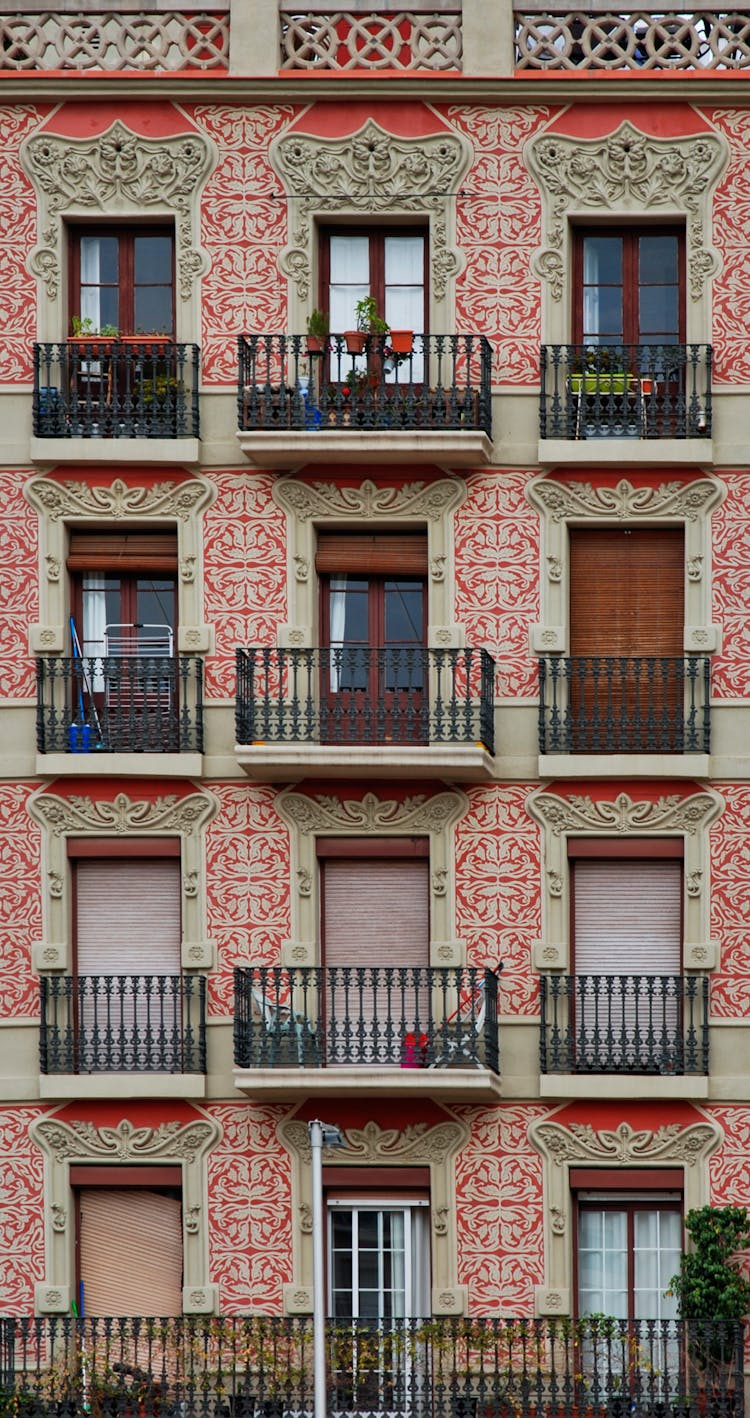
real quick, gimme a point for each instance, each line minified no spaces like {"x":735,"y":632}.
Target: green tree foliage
{"x":709,"y":1284}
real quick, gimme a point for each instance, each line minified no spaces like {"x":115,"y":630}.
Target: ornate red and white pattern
{"x":19,"y":594}
{"x":21,"y":1211}
{"x":247,"y":885}
{"x":498,"y":901}
{"x":18,"y":234}
{"x":249,"y":1209}
{"x":730,"y":332}
{"x":243,"y":228}
{"x":497,"y":575}
{"x":498,"y":229}
{"x":730,"y":547}
{"x":244,"y":571}
{"x":730,"y":872}
{"x":20,"y":903}
{"x":499,"y":1210}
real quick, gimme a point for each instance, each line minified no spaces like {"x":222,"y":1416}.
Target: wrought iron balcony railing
{"x":375,"y":1015}
{"x":360,"y":695}
{"x":444,"y":382}
{"x":625,"y":391}
{"x":559,"y":37}
{"x":624,"y":1024}
{"x":100,"y":388}
{"x":420,"y":37}
{"x":202,"y":1366}
{"x":615,"y":704}
{"x":123,"y":1024}
{"x":119,"y":704}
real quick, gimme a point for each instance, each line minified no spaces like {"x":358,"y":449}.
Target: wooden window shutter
{"x":123,"y":551}
{"x":384,"y":553}
{"x":638,"y":576}
{"x":376,"y":912}
{"x":131,"y":1252}
{"x":128,"y":916}
{"x":628,"y":916}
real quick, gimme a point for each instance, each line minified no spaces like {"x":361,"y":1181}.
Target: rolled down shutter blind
{"x":376,"y":912}
{"x":123,"y":551}
{"x":627,"y":917}
{"x":131,"y":1252}
{"x":128,"y":916}
{"x":384,"y":553}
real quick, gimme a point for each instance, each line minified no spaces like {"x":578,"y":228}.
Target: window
{"x":630,"y":286}
{"x":390,"y":265}
{"x":375,"y":946}
{"x":629,"y":1247}
{"x":135,"y":1213}
{"x":374,"y":622}
{"x":378,"y":1258}
{"x":124,"y":278}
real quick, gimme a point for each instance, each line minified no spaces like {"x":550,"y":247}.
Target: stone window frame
{"x":622,"y":1146}
{"x":309,"y":817}
{"x":611,"y":819}
{"x":365,"y":176}
{"x":371,"y":1146}
{"x":62,"y":505}
{"x":118,"y":175}
{"x":369,"y":507}
{"x":64,"y":1143}
{"x":579,"y":504}
{"x":625,"y":177}
{"x":122,"y":818}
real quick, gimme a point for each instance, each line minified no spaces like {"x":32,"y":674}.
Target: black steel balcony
{"x":624,"y":1024}
{"x":361,"y":695}
{"x":625,"y":391}
{"x":119,"y":704}
{"x":613,"y":704}
{"x":123,"y":1024}
{"x":432,"y":1017}
{"x":443,"y":384}
{"x":100,"y":388}
{"x":201,"y":1366}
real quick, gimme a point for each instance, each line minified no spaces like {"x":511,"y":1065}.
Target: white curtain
{"x":94,"y":621}
{"x":90,"y":279}
{"x":336,"y":630}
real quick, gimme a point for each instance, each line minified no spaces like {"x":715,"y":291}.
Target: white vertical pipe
{"x":315,"y":1130}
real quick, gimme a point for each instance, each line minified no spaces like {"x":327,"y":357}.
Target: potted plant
{"x":317,"y":331}
{"x":368,"y":323}
{"x":401,"y":341}
{"x":86,"y":333}
{"x":713,"y":1295}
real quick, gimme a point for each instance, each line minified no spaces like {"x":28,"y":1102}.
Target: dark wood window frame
{"x":628,"y":1191}
{"x":126,"y":236}
{"x":376,"y":237}
{"x":630,"y":276}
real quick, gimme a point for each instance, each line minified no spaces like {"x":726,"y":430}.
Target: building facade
{"x":390,"y":703}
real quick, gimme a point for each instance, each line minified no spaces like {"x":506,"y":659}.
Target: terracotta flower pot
{"x":355,"y":341}
{"x":401,"y":341}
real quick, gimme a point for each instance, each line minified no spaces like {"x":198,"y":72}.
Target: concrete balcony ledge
{"x":624,"y":765}
{"x":625,"y":452}
{"x":623,"y":1085}
{"x":122,"y":450}
{"x":289,"y":448}
{"x":282,"y":763}
{"x":119,"y":765}
{"x":122,"y":1085}
{"x":469,"y":1085}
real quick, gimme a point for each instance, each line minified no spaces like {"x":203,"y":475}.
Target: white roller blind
{"x":128,"y":916}
{"x":131,"y":1252}
{"x":376,"y":912}
{"x":627,"y":917}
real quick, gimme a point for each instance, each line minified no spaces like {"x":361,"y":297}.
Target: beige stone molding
{"x":579,"y":1144}
{"x":77,"y":816}
{"x":673,"y":816}
{"x":625,"y":175}
{"x":61,"y":504}
{"x":118,"y":175}
{"x":63,"y":1142}
{"x":309,"y":505}
{"x":371,"y":173}
{"x":373,"y":1146}
{"x":565,"y":504}
{"x":325,"y":815}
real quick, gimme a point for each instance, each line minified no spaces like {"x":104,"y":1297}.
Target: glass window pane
{"x":99,"y":259}
{"x":658,"y":259}
{"x":153,"y":310}
{"x":602,"y":260}
{"x":602,"y":313}
{"x":404,"y":260}
{"x":403,"y":613}
{"x":659,"y":310}
{"x":350,"y":260}
{"x":153,"y":260}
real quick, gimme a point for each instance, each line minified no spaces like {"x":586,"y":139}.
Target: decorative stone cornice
{"x":414,"y":500}
{"x":82,"y":1141}
{"x":115,"y":173}
{"x":325,"y":813}
{"x":626,"y":172}
{"x":73,"y":499}
{"x":417,"y":1143}
{"x":561,"y":501}
{"x":624,"y":814}
{"x":371,"y":172}
{"x":624,"y":1145}
{"x":123,"y":815}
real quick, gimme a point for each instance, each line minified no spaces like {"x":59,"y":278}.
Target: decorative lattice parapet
{"x":416,"y":38}
{"x":548,"y":38}
{"x":166,"y":40}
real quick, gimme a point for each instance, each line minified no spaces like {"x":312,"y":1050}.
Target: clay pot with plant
{"x":368,"y":323}
{"x":317,"y":331}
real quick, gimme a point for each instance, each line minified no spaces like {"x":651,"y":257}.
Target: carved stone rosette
{"x":64,"y":1142}
{"x":311,"y":816}
{"x":371,"y":1145}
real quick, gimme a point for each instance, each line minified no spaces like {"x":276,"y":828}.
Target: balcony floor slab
{"x":626,"y":452}
{"x":624,"y":765}
{"x":119,"y":765}
{"x":470,"y":1085}
{"x":52,"y":451}
{"x":286,"y":763}
{"x":122,"y":1085}
{"x":290,"y":448}
{"x":622,"y":1085}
